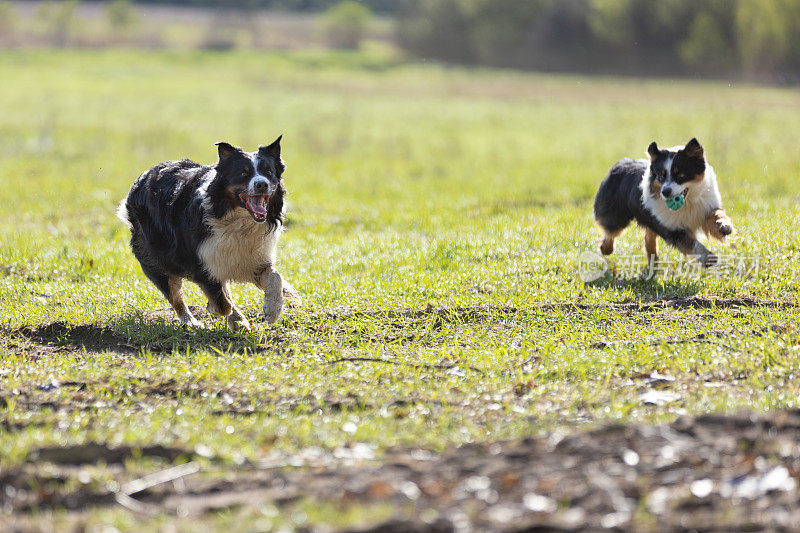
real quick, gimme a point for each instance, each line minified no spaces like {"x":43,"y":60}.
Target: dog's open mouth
{"x":256,"y":205}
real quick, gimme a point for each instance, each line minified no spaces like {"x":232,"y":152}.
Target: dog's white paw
{"x":724,"y":227}
{"x":709,"y":260}
{"x":237,"y":322}
{"x":273,"y":297}
{"x":704,"y":256}
{"x":190,"y":320}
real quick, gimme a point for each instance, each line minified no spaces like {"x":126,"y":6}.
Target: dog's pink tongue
{"x":257,"y":204}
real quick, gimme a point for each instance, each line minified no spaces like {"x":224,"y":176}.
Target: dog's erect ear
{"x":694,"y":149}
{"x":273,"y":150}
{"x":653,"y":151}
{"x":225,"y":150}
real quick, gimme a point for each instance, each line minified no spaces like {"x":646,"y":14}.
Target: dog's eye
{"x":245,"y":172}
{"x":264,"y":170}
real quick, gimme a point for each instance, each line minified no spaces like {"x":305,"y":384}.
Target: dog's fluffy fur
{"x":211,"y":224}
{"x":636,"y":189}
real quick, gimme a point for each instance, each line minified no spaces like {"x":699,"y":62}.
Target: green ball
{"x":676,"y":202}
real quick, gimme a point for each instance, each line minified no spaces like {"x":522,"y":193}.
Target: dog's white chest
{"x":238,"y":248}
{"x":702,"y":199}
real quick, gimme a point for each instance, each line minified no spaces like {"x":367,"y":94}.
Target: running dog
{"x":673,"y":195}
{"x":212,"y":224}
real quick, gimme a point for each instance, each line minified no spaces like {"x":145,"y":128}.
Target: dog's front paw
{"x":724,"y":226}
{"x":709,"y":260}
{"x":718,"y":226}
{"x":273,"y":297}
{"x":190,"y":320}
{"x":703,"y":256}
{"x":238,"y":322}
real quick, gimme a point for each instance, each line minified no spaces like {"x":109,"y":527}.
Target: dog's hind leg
{"x":651,"y":249}
{"x":174,"y":292}
{"x":169,"y":285}
{"x":607,"y":245}
{"x":177,"y":302}
{"x":651,"y":245}
{"x":236,"y":320}
{"x":171,"y":288}
{"x":220,"y":304}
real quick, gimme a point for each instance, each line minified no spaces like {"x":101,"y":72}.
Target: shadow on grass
{"x":651,"y":289}
{"x":156,"y":331}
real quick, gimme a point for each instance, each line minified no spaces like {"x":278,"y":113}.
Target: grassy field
{"x":435,"y":219}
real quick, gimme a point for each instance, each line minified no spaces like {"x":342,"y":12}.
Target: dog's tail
{"x":122,"y":213}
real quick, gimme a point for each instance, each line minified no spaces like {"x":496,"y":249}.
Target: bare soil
{"x":735,"y":472}
{"x":708,"y":473}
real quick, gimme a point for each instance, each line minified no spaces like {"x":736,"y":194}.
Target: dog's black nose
{"x":666,"y":191}
{"x":261,"y":187}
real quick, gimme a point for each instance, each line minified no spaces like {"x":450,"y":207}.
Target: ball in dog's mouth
{"x":676,"y":202}
{"x":256,"y":205}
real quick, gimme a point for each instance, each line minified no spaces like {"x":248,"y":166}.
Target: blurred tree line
{"x":754,"y":38}
{"x":378,"y":6}
{"x":666,"y":37}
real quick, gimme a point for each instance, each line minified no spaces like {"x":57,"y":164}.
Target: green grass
{"x":415,"y":192}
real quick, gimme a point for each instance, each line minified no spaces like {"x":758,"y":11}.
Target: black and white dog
{"x":674,"y":196}
{"x":211,"y":225}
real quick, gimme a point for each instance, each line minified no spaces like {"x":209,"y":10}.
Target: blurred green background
{"x":753,"y":39}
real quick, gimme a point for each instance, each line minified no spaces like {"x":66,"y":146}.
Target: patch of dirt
{"x":142,"y":393}
{"x":70,"y":396}
{"x":711,"y":473}
{"x":482,"y":312}
{"x":437,"y":366}
{"x":92,"y":453}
